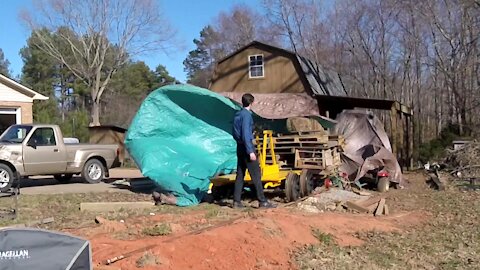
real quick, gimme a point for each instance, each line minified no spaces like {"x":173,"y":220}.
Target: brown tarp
{"x":296,"y":124}
{"x":279,"y":106}
{"x":367,"y":146}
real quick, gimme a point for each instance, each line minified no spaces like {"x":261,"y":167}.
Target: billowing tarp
{"x":181,"y":137}
{"x":280,"y":105}
{"x":43,"y":250}
{"x":367,"y":146}
{"x":284,"y":105}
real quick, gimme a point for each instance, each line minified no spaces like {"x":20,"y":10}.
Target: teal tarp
{"x":181,"y":137}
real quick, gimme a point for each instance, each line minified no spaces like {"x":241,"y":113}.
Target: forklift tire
{"x":7,"y":177}
{"x":221,"y":192}
{"x":383,"y":184}
{"x":292,"y":187}
{"x":306,"y":183}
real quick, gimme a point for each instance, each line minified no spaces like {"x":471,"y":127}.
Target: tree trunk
{"x":95,"y":113}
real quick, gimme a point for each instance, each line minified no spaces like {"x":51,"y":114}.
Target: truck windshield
{"x":15,"y":134}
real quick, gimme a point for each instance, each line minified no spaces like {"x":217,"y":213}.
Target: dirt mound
{"x":251,"y":240}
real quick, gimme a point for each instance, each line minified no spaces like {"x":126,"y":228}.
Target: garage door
{"x":8,"y":117}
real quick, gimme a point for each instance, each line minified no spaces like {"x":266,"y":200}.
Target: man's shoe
{"x":237,"y":205}
{"x":267,"y":205}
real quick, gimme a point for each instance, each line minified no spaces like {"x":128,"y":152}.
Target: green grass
{"x":65,"y":209}
{"x":158,"y":230}
{"x":147,"y":259}
{"x":325,"y":238}
{"x":212,"y":213}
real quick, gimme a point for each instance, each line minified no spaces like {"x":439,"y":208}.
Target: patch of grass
{"x":65,"y":208}
{"x":129,"y":234}
{"x":147,"y":259}
{"x":212,"y":213}
{"x":158,"y":230}
{"x":325,"y":238}
{"x":250,"y":212}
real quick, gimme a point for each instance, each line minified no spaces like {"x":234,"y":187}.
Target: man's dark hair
{"x":247,"y":99}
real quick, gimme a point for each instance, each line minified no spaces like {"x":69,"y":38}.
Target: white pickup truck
{"x":27,"y":150}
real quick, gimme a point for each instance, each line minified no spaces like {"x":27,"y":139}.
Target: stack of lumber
{"x":376,"y":206}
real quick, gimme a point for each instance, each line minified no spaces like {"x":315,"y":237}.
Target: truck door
{"x":43,"y":153}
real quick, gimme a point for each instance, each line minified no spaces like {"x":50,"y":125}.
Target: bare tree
{"x":454,"y":35}
{"x":228,"y":31}
{"x":240,"y":26}
{"x":236,"y":28}
{"x":97,"y":37}
{"x":300,"y":24}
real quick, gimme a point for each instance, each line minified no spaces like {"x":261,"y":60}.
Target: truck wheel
{"x":383,"y":184}
{"x":63,"y":178}
{"x":93,"y":171}
{"x":6,"y":178}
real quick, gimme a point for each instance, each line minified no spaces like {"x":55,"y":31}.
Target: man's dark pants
{"x":253,"y":167}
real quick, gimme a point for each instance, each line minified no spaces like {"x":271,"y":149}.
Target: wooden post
{"x":410,"y":140}
{"x":401,"y":142}
{"x":393,"y":130}
{"x":379,"y":210}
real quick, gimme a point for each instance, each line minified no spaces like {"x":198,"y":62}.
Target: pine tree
{"x":200,"y":62}
{"x":4,"y":64}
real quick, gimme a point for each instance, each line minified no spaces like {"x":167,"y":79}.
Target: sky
{"x":188,"y":17}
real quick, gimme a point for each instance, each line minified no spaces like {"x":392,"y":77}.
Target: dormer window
{"x":255,"y":66}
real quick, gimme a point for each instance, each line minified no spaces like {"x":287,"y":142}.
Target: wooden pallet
{"x":304,"y":133}
{"x":307,"y":150}
{"x":305,"y":159}
{"x":295,"y":138}
{"x":298,"y":139}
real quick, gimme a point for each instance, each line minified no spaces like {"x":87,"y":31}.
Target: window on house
{"x":255,"y":66}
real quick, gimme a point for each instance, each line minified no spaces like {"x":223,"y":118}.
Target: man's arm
{"x":247,"y":135}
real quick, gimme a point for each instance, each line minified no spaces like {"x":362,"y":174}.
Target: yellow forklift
{"x":296,"y":183}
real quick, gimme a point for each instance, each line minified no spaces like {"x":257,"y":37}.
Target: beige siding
{"x":8,"y":94}
{"x":26,"y":109}
{"x":280,"y":75}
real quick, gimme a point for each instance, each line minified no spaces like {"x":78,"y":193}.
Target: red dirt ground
{"x":262,"y":240}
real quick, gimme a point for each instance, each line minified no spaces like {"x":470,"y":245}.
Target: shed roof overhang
{"x":337,"y":104}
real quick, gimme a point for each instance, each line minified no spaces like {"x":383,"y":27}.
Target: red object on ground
{"x":328,"y":183}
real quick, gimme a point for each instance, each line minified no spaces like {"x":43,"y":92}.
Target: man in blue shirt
{"x":247,"y":159}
